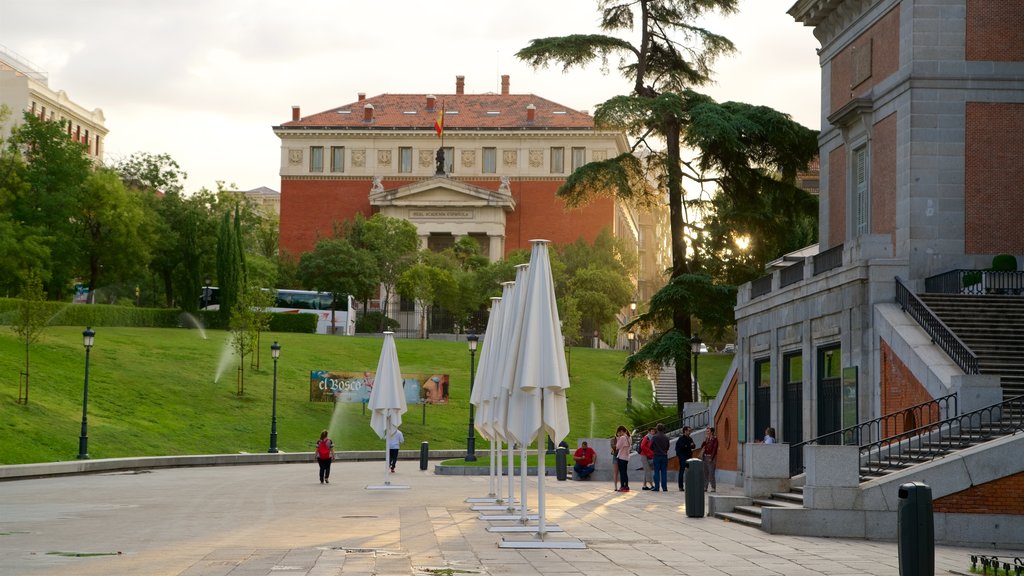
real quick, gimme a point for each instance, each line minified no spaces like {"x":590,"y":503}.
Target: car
{"x":729,"y":348}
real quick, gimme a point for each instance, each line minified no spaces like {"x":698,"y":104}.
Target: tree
{"x":335,"y":266}
{"x":663,"y":116}
{"x":30,"y":319}
{"x":24,"y":249}
{"x":230,"y":278}
{"x":249,"y":319}
{"x":394,"y":243}
{"x":423,"y":283}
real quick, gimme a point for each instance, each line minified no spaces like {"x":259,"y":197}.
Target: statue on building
{"x":504,"y":187}
{"x":377,"y":186}
{"x":440,"y":162}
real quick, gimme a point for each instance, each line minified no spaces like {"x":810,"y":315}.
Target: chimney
{"x":504,"y":84}
{"x":361,"y":96}
{"x":295,"y":114}
{"x":460,"y":84}
{"x":430,"y":101}
{"x":531,"y":112}
{"x":368,"y":113}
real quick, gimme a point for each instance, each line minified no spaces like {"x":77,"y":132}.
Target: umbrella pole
{"x":511,"y":477}
{"x":496,"y":468}
{"x":490,"y":481}
{"x":523,"y":518}
{"x":387,"y":446}
{"x":541,"y":472}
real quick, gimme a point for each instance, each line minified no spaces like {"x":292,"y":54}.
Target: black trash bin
{"x":424,"y":454}
{"x":693,"y":482}
{"x":916,"y":530}
{"x":560,"y":471}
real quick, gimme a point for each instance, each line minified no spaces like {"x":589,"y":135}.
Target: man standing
{"x":659,"y":446}
{"x":584,"y":466}
{"x":646,"y":457}
{"x":396,"y":442}
{"x":684,"y":451}
{"x":709,"y":457}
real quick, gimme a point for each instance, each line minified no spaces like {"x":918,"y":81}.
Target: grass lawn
{"x":170,"y":391}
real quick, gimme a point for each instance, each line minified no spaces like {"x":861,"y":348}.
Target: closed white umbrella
{"x":387,"y":399}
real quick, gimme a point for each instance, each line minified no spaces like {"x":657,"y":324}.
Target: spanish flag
{"x":439,"y":123}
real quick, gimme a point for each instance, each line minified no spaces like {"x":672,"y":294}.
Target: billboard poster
{"x":849,"y":406}
{"x":354,"y":387}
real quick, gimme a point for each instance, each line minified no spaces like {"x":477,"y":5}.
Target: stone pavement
{"x":278,"y":519}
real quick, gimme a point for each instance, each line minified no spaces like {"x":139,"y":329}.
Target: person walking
{"x":393,"y":445}
{"x":709,"y":457}
{"x":622,"y":457}
{"x":684,"y":451}
{"x":324,"y":456}
{"x":659,"y":448}
{"x":646,"y":457}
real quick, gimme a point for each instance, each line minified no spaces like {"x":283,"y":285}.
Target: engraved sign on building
{"x":441,"y":214}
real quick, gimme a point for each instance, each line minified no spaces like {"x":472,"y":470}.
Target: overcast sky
{"x":205,"y":80}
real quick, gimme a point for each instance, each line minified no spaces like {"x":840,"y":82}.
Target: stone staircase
{"x":750,"y":515}
{"x":665,"y":385}
{"x":992,"y":326}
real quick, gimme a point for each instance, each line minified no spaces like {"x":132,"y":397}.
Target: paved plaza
{"x":278,"y":519}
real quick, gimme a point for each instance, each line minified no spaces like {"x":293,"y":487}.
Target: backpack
{"x":323,"y":450}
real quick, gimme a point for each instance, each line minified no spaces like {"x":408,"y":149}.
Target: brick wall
{"x":900,"y":389}
{"x":883,"y":40}
{"x":883,"y":177}
{"x":726,"y":426}
{"x":995,"y":30}
{"x":994,"y":164}
{"x":836,"y":197}
{"x":1002,"y":496}
{"x":310,"y":209}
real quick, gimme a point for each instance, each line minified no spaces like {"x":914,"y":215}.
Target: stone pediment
{"x":441,"y":192}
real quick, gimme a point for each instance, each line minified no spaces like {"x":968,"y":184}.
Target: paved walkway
{"x":278,"y":519}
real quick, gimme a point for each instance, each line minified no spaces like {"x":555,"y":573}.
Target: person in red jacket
{"x":584,"y":466}
{"x":709,"y":457}
{"x":646,"y":457}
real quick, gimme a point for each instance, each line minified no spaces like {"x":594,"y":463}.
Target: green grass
{"x":155,"y":392}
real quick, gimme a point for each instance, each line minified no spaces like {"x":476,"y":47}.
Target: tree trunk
{"x":680,"y":264}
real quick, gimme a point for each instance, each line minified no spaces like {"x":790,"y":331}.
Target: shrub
{"x":370,"y":323}
{"x":301,"y":323}
{"x":1004,"y":263}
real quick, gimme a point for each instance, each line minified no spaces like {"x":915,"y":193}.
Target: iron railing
{"x":791,"y":274}
{"x":875,"y":430}
{"x":975,"y":282}
{"x":829,"y":259}
{"x":674,"y":423}
{"x":937,"y":330}
{"x":931,"y":441}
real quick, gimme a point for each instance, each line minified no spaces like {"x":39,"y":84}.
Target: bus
{"x":287,"y":301}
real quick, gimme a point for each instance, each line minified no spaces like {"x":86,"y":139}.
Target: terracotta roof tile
{"x":462,"y":112}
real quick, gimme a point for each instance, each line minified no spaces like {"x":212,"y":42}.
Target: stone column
{"x":765,"y":469}
{"x":497,"y":247}
{"x":832,"y":477}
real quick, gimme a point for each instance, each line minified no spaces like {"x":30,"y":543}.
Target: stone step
{"x":787,"y":498}
{"x":744,"y":519}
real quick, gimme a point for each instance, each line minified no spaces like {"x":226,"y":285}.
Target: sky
{"x":206,"y":80}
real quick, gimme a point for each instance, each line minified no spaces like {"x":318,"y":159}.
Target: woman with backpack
{"x":324,"y":456}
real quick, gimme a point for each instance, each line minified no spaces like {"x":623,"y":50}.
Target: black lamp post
{"x":695,"y":343}
{"x":206,"y":293}
{"x":83,"y":441}
{"x":631,"y":337}
{"x":275,"y":353}
{"x":471,"y":340}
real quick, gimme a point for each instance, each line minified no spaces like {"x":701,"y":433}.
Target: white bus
{"x":287,"y":301}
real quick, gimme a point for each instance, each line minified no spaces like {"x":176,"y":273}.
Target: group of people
{"x":324,"y":453}
{"x":653,"y":449}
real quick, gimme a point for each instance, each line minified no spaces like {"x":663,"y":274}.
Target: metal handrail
{"x":940,"y":334}
{"x":674,"y":423}
{"x":873,"y":430}
{"x":926,"y":443}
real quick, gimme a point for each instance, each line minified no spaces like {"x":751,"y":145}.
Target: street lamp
{"x":471,"y":340}
{"x":83,"y":441}
{"x":695,"y":343}
{"x":275,"y":353}
{"x":206,"y":293}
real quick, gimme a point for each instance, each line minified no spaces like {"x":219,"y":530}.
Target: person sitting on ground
{"x":584,"y":466}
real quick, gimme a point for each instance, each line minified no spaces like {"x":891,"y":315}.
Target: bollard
{"x":915,"y":530}
{"x":560,"y":471}
{"x":694,"y":485}
{"x":424,"y":453}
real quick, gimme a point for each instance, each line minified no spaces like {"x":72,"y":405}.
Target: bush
{"x":301,"y":323}
{"x":1004,"y":263}
{"x":369,"y":323}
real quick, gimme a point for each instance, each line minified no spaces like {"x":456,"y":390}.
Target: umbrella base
{"x":538,"y":542}
{"x":493,"y":517}
{"x":525,"y":528}
{"x":494,"y":507}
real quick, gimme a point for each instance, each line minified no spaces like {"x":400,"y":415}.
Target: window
{"x":558,"y":160}
{"x":449,"y":158}
{"x":579,"y":158}
{"x":316,"y":158}
{"x":337,"y":158}
{"x":405,"y":159}
{"x":860,"y":190}
{"x":490,"y":160}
